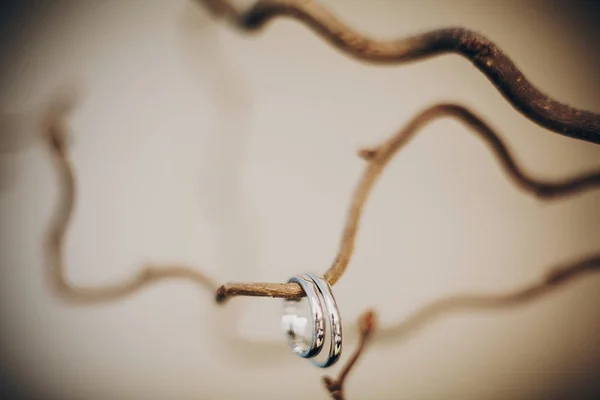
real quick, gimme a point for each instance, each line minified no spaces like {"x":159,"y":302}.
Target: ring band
{"x":334,"y":319}
{"x":292,"y":321}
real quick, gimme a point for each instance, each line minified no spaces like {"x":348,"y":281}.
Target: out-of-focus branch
{"x":380,"y":156}
{"x":367,"y":323}
{"x":478,"y":49}
{"x":552,"y":281}
{"x":55,"y":135}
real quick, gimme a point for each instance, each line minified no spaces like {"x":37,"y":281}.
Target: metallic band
{"x":334,"y":318}
{"x":292,"y":321}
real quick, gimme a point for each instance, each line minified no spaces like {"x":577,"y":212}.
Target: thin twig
{"x":478,"y":49}
{"x":380,"y":156}
{"x":55,"y":135}
{"x":367,"y":323}
{"x":552,"y":281}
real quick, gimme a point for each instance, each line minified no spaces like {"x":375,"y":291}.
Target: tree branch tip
{"x":221,"y":295}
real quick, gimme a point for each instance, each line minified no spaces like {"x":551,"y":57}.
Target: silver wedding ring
{"x":297,"y":325}
{"x":310,"y":328}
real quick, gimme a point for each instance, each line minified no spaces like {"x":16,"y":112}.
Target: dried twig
{"x":55,"y":137}
{"x":377,"y":159}
{"x":484,"y":54}
{"x":380,"y":156}
{"x":366,"y":325}
{"x":552,"y":281}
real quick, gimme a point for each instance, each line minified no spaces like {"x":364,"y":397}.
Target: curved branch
{"x":377,"y":158}
{"x":556,"y":278}
{"x":538,"y":187}
{"x":484,"y":54}
{"x":380,"y":156}
{"x":55,"y":138}
{"x":367,"y":323}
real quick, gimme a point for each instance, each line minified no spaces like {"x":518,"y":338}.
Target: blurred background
{"x":197,"y":144}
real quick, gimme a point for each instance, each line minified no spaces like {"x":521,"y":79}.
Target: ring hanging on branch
{"x":379,"y":157}
{"x":499,"y":69}
{"x":478,"y":49}
{"x":296,"y":323}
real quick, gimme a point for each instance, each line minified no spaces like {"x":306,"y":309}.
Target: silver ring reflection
{"x":296,"y":324}
{"x":334,"y":319}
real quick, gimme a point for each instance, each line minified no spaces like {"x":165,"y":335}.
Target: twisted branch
{"x":380,"y":156}
{"x":377,"y":158}
{"x":55,"y":135}
{"x":552,"y":281}
{"x":484,"y":54}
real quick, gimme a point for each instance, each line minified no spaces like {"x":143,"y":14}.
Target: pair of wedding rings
{"x":309,"y":330}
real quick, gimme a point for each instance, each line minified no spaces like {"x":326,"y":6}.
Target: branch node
{"x":367,"y":154}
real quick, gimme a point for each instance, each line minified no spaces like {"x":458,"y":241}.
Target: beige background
{"x":196,"y":144}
